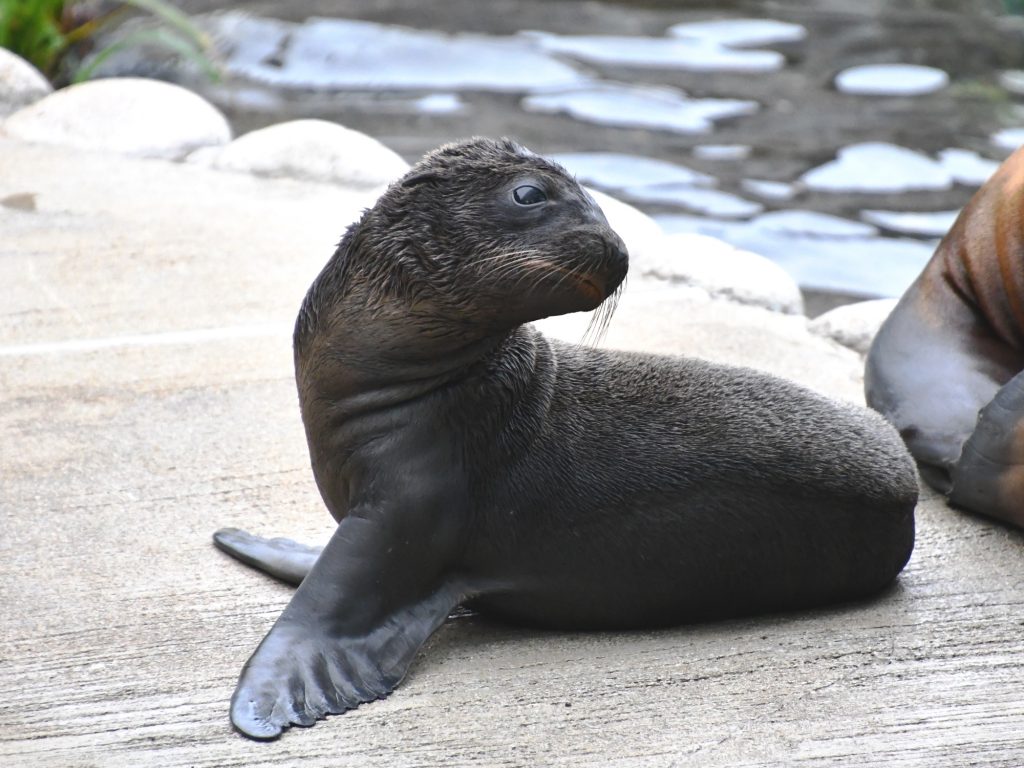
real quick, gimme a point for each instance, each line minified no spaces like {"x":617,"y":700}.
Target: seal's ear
{"x":426,"y":177}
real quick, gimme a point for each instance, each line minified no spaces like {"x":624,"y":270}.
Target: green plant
{"x":34,"y":31}
{"x":54,"y":34}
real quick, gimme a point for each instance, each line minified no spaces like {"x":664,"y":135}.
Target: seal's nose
{"x":616,"y":257}
{"x":616,"y":247}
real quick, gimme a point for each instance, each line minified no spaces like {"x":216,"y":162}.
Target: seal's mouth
{"x":590,"y":287}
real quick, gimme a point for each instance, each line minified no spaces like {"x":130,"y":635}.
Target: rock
{"x":891,"y":80}
{"x":1009,"y":139}
{"x":20,"y":83}
{"x":856,"y":170}
{"x":129,"y":116}
{"x":204,"y":156}
{"x":618,"y":170}
{"x":311,"y":150}
{"x":713,"y":203}
{"x":967,"y":166}
{"x":663,"y":318}
{"x":723,"y":271}
{"x":166,"y":249}
{"x":854,"y":325}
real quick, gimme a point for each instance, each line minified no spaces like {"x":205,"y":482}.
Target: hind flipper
{"x":989,"y":476}
{"x":283,"y":559}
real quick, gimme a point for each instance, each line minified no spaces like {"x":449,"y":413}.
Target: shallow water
{"x":715,"y":116}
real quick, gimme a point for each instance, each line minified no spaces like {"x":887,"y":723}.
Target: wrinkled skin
{"x":470,"y":460}
{"x":945,"y":367}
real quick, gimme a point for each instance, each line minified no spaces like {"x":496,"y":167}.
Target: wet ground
{"x":733,"y":116}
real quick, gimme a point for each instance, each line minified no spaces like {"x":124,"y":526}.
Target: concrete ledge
{"x":122,"y":630}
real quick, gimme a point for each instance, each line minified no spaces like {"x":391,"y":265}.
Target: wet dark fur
{"x":470,"y":459}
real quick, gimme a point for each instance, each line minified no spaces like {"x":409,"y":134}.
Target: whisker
{"x":600,"y":321}
{"x":503,"y":257}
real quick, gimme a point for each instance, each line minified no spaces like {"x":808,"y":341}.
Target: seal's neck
{"x":371,"y":359}
{"x":378,"y":329}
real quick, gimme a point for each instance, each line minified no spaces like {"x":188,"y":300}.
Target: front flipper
{"x":301,"y":673}
{"x":351,"y":630}
{"x":989,"y":476}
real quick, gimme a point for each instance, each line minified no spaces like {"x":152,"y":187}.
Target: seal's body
{"x":470,"y":460}
{"x":945,"y":367}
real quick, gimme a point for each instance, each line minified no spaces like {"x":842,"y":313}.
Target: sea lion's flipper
{"x":989,"y":477}
{"x":283,"y":559}
{"x":349,"y":634}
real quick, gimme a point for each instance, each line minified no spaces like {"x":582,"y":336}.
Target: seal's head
{"x":480,"y":232}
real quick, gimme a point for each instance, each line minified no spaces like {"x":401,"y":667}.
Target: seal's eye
{"x":529,"y":195}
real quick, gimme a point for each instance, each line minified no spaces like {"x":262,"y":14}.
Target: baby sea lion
{"x":946,"y":366}
{"x":470,"y":460}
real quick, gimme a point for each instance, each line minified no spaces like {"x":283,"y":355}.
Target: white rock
{"x":20,"y":83}
{"x":929,"y":223}
{"x":878,"y":167}
{"x":658,"y":108}
{"x":710,"y":202}
{"x":770,"y":190}
{"x":967,"y":167}
{"x":870,"y":266}
{"x":638,"y":231}
{"x":1012,"y":80}
{"x":615,"y":170}
{"x":439,"y":104}
{"x":691,"y":54}
{"x":204,"y":156}
{"x":722,"y":151}
{"x":854,"y":325}
{"x":312,"y":150}
{"x":1009,"y":138}
{"x":343,"y":54}
{"x":891,"y":80}
{"x":741,"y":32}
{"x":811,"y":223}
{"x":130,"y":116}
{"x":666,"y":318}
{"x":724,"y":272}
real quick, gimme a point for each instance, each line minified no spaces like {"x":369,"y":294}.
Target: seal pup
{"x":470,"y":460}
{"x":946,"y":365}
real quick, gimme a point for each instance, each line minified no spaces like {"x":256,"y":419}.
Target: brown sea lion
{"x":470,"y":460}
{"x":945,"y":367}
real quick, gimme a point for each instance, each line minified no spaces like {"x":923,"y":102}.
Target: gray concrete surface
{"x":146,"y":399}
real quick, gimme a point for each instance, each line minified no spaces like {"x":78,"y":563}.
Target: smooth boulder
{"x":854,"y":325}
{"x":639,"y":232}
{"x":723,"y":271}
{"x":129,"y":116}
{"x":20,"y":83}
{"x":310,"y":150}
